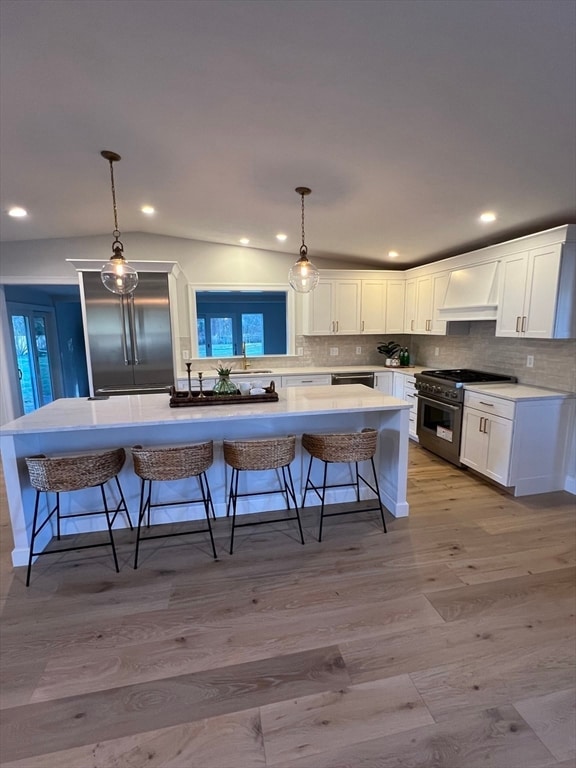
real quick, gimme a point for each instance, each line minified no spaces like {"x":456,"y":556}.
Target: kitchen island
{"x":74,"y":425}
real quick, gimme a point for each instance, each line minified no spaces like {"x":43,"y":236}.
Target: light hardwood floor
{"x":448,"y":643}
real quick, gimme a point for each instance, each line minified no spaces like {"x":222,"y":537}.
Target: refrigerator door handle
{"x":124,"y":340}
{"x":133,"y":330}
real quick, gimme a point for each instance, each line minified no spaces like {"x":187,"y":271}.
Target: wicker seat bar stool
{"x":351,"y":448}
{"x":62,"y":474}
{"x":255,"y":455}
{"x":180,"y":462}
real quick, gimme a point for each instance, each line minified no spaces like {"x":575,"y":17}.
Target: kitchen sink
{"x":249,"y":372}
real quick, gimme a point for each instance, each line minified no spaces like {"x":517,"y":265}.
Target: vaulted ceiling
{"x":407,"y":118}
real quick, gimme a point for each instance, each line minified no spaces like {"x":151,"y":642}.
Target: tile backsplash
{"x":474,"y":345}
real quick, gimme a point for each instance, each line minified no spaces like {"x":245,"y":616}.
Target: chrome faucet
{"x":245,"y":361}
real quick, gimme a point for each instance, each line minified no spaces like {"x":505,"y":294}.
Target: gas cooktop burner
{"x":467,"y":376}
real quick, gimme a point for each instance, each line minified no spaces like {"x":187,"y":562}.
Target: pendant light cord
{"x":116,"y":232}
{"x":303,"y":247}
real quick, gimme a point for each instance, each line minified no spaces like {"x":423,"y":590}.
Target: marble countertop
{"x":308,"y":371}
{"x":517,"y":392}
{"x":154,"y":410}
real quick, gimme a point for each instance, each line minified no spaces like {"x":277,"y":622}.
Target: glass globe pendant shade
{"x":303,"y":276}
{"x":118,"y":276}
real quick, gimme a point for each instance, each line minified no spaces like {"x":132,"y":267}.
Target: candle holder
{"x":188,"y":367}
{"x":200,"y":394}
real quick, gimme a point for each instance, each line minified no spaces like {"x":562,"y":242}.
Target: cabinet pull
{"x":480,"y":425}
{"x":518,"y":324}
{"x":362,"y":325}
{"x":485,"y":426}
{"x":524,"y":324}
{"x":332,"y":326}
{"x":336,"y":326}
{"x":411,"y":325}
{"x":490,"y":405}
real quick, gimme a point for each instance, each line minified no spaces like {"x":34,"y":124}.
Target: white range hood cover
{"x":472,"y":293}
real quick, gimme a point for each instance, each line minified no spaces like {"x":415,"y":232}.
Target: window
{"x":227,"y":322}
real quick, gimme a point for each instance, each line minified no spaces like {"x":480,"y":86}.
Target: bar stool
{"x":254,"y":455}
{"x":173,"y":463}
{"x":342,"y":448}
{"x":60,"y":474}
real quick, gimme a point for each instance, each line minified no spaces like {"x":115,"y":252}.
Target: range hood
{"x":471,"y":293}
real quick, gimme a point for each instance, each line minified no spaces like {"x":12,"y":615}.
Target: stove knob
{"x":455,"y":395}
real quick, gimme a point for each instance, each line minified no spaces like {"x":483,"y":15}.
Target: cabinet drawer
{"x":306,"y":381}
{"x":489,"y":404}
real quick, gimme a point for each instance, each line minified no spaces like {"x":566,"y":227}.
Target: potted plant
{"x":224,"y":386}
{"x":391,"y":350}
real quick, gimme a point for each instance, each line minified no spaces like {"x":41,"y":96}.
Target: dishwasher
{"x":354,"y":378}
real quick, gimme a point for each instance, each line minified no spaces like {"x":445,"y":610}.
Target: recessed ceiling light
{"x":244,"y":240}
{"x":281,"y":237}
{"x":148,"y":210}
{"x":393,"y":254}
{"x":17,"y":212}
{"x":487,"y":217}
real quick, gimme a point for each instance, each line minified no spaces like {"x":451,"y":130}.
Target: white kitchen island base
{"x":80,"y":425}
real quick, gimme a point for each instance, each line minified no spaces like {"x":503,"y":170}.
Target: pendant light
{"x":117,"y":275}
{"x":303,"y":276}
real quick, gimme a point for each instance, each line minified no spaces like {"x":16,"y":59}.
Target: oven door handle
{"x":438,"y":402}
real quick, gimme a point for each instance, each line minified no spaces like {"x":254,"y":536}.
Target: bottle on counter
{"x":402,"y":356}
{"x":406,"y":357}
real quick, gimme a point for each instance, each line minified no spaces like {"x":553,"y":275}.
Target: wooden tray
{"x":184,"y":399}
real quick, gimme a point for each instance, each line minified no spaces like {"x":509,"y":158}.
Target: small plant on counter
{"x":222,"y":369}
{"x":389,"y":348}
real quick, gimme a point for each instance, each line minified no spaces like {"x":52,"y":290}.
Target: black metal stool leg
{"x":306,"y":483}
{"x":109,"y":522}
{"x":123,"y":504}
{"x":141,"y":513}
{"x":206,"y":498}
{"x":233,"y":495}
{"x":290,"y":490}
{"x":34,"y":522}
{"x":58,"y":515}
{"x":378,"y":494}
{"x":323,"y":500}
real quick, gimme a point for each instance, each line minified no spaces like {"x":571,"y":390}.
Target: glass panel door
{"x":33,"y":345}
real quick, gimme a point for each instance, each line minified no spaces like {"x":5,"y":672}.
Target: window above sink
{"x":228,"y":320}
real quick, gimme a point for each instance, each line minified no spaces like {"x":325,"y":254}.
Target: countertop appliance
{"x":440,"y":404}
{"x":354,"y":378}
{"x":128,"y":338}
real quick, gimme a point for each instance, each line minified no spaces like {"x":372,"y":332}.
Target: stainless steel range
{"x":440,"y":405}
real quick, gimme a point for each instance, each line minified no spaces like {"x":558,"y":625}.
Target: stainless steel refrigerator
{"x":128,"y":338}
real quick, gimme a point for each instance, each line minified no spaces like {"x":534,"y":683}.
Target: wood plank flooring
{"x":450,"y":642}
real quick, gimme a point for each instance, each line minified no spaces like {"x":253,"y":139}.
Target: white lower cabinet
{"x":312,"y":380}
{"x":486,"y":443}
{"x":521,"y":445}
{"x":383,"y":382}
{"x":404,"y":387}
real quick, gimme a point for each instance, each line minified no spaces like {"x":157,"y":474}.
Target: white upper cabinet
{"x":373,"y":306}
{"x":353,"y":305}
{"x":536,"y":293}
{"x":382,"y":306}
{"x":424,"y":295}
{"x":334,"y":307}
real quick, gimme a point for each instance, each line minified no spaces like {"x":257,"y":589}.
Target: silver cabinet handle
{"x":490,"y":405}
{"x":518,"y":324}
{"x":362,"y":325}
{"x":524,"y":324}
{"x":480,"y":425}
{"x":132,"y":318}
{"x":485,"y":426}
{"x":332,"y":326}
{"x":124,"y":342}
{"x":336,"y":326}
{"x":411,"y":325}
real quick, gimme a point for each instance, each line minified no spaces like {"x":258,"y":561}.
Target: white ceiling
{"x":407,"y":118}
